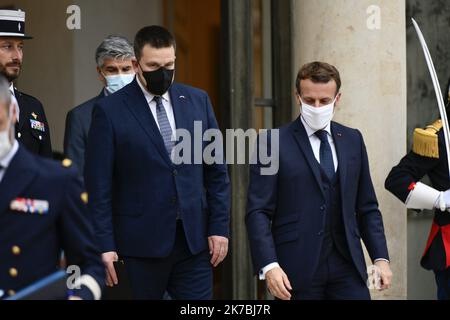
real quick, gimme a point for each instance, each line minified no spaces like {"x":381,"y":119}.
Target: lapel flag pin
{"x":34,"y":115}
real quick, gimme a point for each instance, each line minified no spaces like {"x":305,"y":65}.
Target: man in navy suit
{"x":42,"y":211}
{"x":168,"y":223}
{"x":115,"y":70}
{"x":305,"y":223}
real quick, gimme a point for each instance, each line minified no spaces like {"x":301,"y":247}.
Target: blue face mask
{"x":117,"y":82}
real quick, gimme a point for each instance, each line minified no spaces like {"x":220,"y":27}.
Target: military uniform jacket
{"x":42,"y":212}
{"x":412,"y":168}
{"x":33,"y":130}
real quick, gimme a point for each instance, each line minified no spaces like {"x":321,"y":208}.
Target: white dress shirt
{"x":4,"y":163}
{"x":11,"y":89}
{"x":166,"y":103}
{"x":315,"y":142}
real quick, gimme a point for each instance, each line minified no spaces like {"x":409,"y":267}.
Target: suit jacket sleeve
{"x":217,"y":185}
{"x":412,"y":168}
{"x":369,"y":216}
{"x":74,"y":144}
{"x":261,"y":207}
{"x":75,"y":226}
{"x":99,"y":177}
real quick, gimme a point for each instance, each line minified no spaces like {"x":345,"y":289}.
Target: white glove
{"x":443,"y":202}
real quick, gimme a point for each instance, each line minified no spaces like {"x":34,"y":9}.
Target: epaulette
{"x":66,"y":163}
{"x":425,"y":141}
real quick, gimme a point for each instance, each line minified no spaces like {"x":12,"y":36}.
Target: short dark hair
{"x":156,"y":36}
{"x":318,"y":72}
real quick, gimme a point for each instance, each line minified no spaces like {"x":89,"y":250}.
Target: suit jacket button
{"x":320,"y":233}
{"x":13,"y":272}
{"x":16,"y":250}
{"x":175,"y":172}
{"x":323,"y":208}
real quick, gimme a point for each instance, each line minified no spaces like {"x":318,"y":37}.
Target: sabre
{"x":437,"y":90}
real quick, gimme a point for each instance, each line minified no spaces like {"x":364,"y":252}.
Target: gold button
{"x":16,"y":250}
{"x":67,"y":163}
{"x":11,"y":293}
{"x":85,"y":197}
{"x":13,"y":272}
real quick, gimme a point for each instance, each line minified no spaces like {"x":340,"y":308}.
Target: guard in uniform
{"x":32,"y":129}
{"x":42,"y":212}
{"x":428,"y":157}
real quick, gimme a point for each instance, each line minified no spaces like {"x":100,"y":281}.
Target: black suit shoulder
{"x":84,"y":108}
{"x":29,"y":98}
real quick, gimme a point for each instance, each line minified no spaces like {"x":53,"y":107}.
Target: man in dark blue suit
{"x":114,"y":58}
{"x":305,"y":223}
{"x":42,"y":211}
{"x":168,"y":223}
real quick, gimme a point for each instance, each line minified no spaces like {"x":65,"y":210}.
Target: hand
{"x":108,"y":259}
{"x":385,"y":274}
{"x":278,"y":284}
{"x":218,"y":248}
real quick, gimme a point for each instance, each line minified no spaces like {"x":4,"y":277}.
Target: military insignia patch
{"x":40,"y":126}
{"x":31,"y":206}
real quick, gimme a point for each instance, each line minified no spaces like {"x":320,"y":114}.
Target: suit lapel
{"x":18,"y":176}
{"x":305,"y":146}
{"x":23,"y":110}
{"x":179,"y":105}
{"x":137,"y":104}
{"x":342,"y":153}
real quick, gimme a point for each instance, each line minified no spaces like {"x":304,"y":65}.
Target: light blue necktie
{"x":326,"y":155}
{"x":164,"y":125}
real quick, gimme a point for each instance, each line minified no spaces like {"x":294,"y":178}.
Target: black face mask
{"x":158,"y":81}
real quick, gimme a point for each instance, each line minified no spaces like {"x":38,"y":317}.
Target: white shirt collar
{"x":11,"y":88}
{"x":148,"y":96}
{"x":310,"y":131}
{"x":8,"y":158}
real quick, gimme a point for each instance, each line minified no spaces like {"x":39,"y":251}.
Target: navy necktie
{"x":326,"y":155}
{"x":164,"y":125}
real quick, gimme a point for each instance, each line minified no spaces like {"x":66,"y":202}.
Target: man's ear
{"x":297,"y":97}
{"x":101,"y":77}
{"x":135,"y":65}
{"x":338,"y":99}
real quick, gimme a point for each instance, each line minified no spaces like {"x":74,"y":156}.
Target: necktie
{"x":164,"y":125}
{"x":326,"y":155}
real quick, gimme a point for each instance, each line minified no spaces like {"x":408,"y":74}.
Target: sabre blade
{"x":437,"y":90}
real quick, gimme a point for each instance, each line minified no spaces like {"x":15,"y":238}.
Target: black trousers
{"x":335,"y":279}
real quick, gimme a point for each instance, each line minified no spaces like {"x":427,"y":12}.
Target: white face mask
{"x":317,"y":118}
{"x":117,"y":82}
{"x":5,"y":135}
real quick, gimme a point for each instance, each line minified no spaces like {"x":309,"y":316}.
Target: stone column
{"x":366,"y":41}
